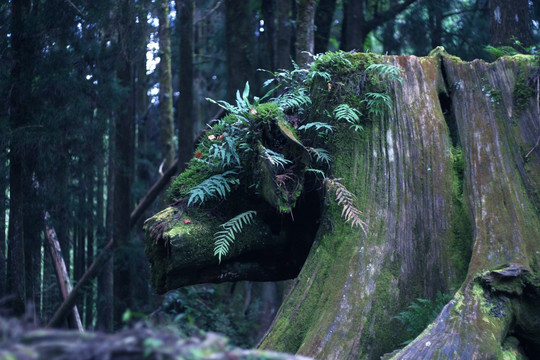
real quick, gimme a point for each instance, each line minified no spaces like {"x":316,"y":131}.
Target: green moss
{"x":522,"y":94}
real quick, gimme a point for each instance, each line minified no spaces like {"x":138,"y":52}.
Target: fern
{"x":386,"y":72}
{"x":346,"y":199}
{"x":377,"y":103}
{"x":295,"y":100}
{"x":420,"y":314}
{"x":216,"y":186}
{"x":224,"y":238}
{"x":318,"y":126}
{"x":225,"y":152}
{"x":347,"y":113}
{"x":275,"y":158}
{"x":321,"y":155}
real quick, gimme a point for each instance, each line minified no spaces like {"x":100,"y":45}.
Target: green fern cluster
{"x":224,"y":238}
{"x":420,"y":314}
{"x":386,"y":72}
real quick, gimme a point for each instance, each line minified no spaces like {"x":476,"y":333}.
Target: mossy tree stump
{"x":448,"y":182}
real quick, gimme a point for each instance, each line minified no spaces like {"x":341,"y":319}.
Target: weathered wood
{"x":60,"y":266}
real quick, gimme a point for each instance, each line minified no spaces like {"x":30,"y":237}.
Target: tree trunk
{"x":305,"y":34}
{"x":165,"y":86}
{"x":186,"y":118}
{"x":450,"y":199}
{"x":239,"y":35}
{"x":283,"y":33}
{"x":324,"y":17}
{"x":510,"y":21}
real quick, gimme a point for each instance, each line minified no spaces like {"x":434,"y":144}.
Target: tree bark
{"x":305,"y":34}
{"x":510,"y":21}
{"x":239,"y":34}
{"x":185,"y":114}
{"x":324,"y":17}
{"x":165,"y":85}
{"x":283,"y":33}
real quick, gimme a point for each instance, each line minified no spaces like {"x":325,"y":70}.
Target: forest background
{"x":99,"y":98}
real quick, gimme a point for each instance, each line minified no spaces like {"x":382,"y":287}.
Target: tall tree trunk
{"x":510,"y":21}
{"x":284,"y":34}
{"x":358,"y":23}
{"x":186,"y":119}
{"x":21,"y":75}
{"x":165,"y":85}
{"x":122,"y":204}
{"x":352,"y":31}
{"x":3,"y":199}
{"x":239,"y":34}
{"x":324,"y":17}
{"x":305,"y":34}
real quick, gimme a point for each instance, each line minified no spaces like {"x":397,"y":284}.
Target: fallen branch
{"x":60,"y":266}
{"x":153,"y":193}
{"x":92,"y":271}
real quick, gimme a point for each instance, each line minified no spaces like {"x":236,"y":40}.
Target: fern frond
{"x":377,"y":103}
{"x":216,"y":186}
{"x":225,"y":152}
{"x":317,"y":171}
{"x":224,"y":238}
{"x":295,"y":100}
{"x":318,"y":126}
{"x":321,"y":155}
{"x":345,"y":199}
{"x":386,"y":72}
{"x":347,"y":113}
{"x":275,"y":158}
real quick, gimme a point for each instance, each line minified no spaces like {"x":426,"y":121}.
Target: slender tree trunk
{"x":165,"y":85}
{"x":239,"y":34}
{"x":19,"y":118}
{"x":305,"y":34}
{"x":3,"y":200}
{"x":353,"y":34}
{"x":324,"y":17}
{"x":185,"y":115}
{"x":267,"y":42}
{"x":510,"y":21}
{"x":284,"y":34}
{"x":105,"y":304}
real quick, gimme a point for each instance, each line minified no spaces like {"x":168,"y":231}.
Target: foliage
{"x":318,"y":126}
{"x":224,"y":238}
{"x":216,"y":186}
{"x":346,"y":199}
{"x":276,"y":159}
{"x":378,"y":103}
{"x":421,"y":313}
{"x":321,"y":155}
{"x":350,"y":115}
{"x":193,"y":309}
{"x":386,"y":72}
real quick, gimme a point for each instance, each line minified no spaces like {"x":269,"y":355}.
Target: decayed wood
{"x":60,"y":266}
